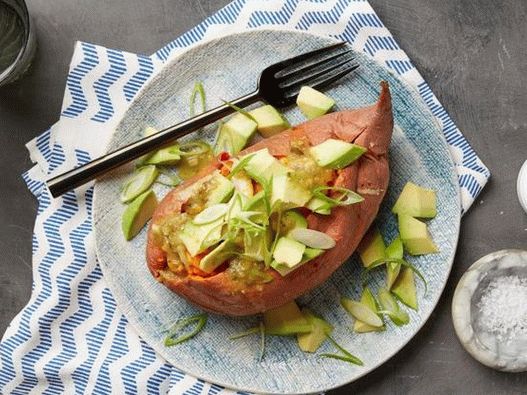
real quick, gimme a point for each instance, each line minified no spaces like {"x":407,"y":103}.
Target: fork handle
{"x":67,"y":181}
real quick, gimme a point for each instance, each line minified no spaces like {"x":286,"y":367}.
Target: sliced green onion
{"x":248,"y":332}
{"x":240,"y":165}
{"x":361,"y":312}
{"x":399,"y":318}
{"x":353,"y":360}
{"x":262,"y":341}
{"x":312,"y":238}
{"x":211,"y":214}
{"x":143,"y":178}
{"x":347,"y":198}
{"x":402,"y":262}
{"x":240,"y":110}
{"x":199,"y":320}
{"x":391,"y":308}
{"x":348,"y":357}
{"x":193,"y":148}
{"x":198,"y":88}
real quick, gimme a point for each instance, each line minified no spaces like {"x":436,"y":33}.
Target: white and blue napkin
{"x":71,"y":337}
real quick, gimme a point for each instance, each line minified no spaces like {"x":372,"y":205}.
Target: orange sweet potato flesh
{"x":370,"y":127}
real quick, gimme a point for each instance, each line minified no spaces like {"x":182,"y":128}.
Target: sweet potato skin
{"x":370,"y":127}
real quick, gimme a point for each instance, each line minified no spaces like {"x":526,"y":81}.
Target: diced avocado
{"x":395,"y":251}
{"x":197,"y":238}
{"x":137,"y":214}
{"x":217,"y":256}
{"x":399,"y":317}
{"x":309,"y":254}
{"x":318,"y":206}
{"x":313,"y":103}
{"x":243,"y":183}
{"x":404,"y":288}
{"x":371,"y":248}
{"x":234,"y":134}
{"x":415,"y":236}
{"x":269,"y":120}
{"x":288,"y":251}
{"x":263,"y":166}
{"x":367,"y":299}
{"x":286,"y":320}
{"x":221,"y":192}
{"x":287,"y":193}
{"x":416,"y":201}
{"x":292,"y":219}
{"x":164,"y":156}
{"x":256,"y":203}
{"x":336,"y":154}
{"x":311,"y":341}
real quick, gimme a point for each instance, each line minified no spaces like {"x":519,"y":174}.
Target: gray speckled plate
{"x":228,"y":68}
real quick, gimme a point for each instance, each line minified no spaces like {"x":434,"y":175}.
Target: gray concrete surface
{"x":473,"y":54}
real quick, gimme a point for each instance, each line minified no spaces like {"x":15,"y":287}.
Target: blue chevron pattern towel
{"x":70,"y":338}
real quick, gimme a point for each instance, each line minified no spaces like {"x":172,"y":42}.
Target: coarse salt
{"x":503,"y":308}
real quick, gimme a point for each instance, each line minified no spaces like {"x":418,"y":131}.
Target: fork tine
{"x":314,"y":76}
{"x":294,"y":60}
{"x":313,"y":65}
{"x":335,"y":77}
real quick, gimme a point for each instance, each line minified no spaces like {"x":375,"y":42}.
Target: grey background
{"x":471,"y":52}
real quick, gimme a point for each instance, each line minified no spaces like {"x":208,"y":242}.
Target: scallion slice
{"x":211,"y":214}
{"x":142,"y":179}
{"x":198,"y":89}
{"x":312,"y":238}
{"x":347,"y":198}
{"x":198,"y":320}
{"x":240,"y":110}
{"x":402,"y":262}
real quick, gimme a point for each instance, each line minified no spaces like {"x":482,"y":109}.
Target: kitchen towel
{"x":71,"y":338}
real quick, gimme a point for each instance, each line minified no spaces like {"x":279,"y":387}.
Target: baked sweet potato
{"x":370,"y":127}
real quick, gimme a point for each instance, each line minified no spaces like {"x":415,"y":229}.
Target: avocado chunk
{"x":309,"y":254}
{"x":288,"y":251}
{"x":368,"y":300}
{"x":222,"y":190}
{"x":371,"y":248}
{"x":311,"y":341}
{"x":217,"y":256}
{"x":263,"y":166}
{"x":234,"y":134}
{"x":404,"y":288}
{"x":313,"y":103}
{"x":415,"y":236}
{"x":164,"y":156}
{"x":288,"y":193}
{"x":292,"y":219}
{"x":197,"y":238}
{"x":137,"y":214}
{"x":286,"y":320}
{"x":416,"y":201}
{"x":269,"y":120}
{"x":336,"y":154}
{"x":394,"y":251}
{"x":318,"y":206}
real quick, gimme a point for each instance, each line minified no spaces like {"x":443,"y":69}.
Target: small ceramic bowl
{"x":488,"y":347}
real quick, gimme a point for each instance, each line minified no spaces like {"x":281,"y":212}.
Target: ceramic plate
{"x":228,"y":68}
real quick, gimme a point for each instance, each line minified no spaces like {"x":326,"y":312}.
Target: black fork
{"x":278,"y":85}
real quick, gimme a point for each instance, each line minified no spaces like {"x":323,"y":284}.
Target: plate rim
{"x":158,"y":75}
